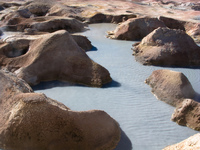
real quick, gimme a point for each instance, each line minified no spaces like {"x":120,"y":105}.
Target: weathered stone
{"x":43,"y":24}
{"x":188,"y":114}
{"x":33,"y":121}
{"x":38,"y":9}
{"x":24,"y":13}
{"x":172,"y":23}
{"x":170,"y":86}
{"x":192,"y":143}
{"x":51,"y":24}
{"x":54,"y":56}
{"x":66,"y":11}
{"x":83,"y":42}
{"x":167,"y":47}
{"x":136,"y":28}
{"x":109,"y":18}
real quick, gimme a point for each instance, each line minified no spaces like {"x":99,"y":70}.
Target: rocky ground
{"x":46,"y":47}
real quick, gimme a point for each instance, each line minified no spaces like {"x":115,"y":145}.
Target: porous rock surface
{"x":170,"y":86}
{"x":192,"y":143}
{"x":188,"y":114}
{"x":167,"y":47}
{"x":33,"y":121}
{"x":54,"y":56}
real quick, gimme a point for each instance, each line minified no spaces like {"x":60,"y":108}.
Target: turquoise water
{"x":144,"y":120}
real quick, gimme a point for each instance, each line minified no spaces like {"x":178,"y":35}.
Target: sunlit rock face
{"x":54,"y":56}
{"x":167,"y":47}
{"x":192,"y":143}
{"x":170,"y":86}
{"x":136,"y":28}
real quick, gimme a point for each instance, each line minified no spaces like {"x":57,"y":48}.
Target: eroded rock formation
{"x":54,"y":56}
{"x":191,"y":28}
{"x":188,"y":114}
{"x":136,"y":28}
{"x":192,"y":143}
{"x":170,"y":86}
{"x":43,"y":24}
{"x":175,"y":89}
{"x":167,"y":47}
{"x":109,"y":18}
{"x":33,"y":121}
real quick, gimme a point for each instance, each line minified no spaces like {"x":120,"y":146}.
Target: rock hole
{"x":17,"y":48}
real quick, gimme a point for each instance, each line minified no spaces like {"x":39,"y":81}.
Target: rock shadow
{"x":124,"y":143}
{"x":93,"y":48}
{"x":51,"y":84}
{"x":197,"y":97}
{"x":112,"y":84}
{"x":56,"y":83}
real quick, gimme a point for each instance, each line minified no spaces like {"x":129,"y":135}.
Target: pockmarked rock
{"x":53,"y":56}
{"x":33,"y":121}
{"x":192,"y":143}
{"x":167,"y":47}
{"x":136,"y":28}
{"x":188,"y":114}
{"x":170,"y":86}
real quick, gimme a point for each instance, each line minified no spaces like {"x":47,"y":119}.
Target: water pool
{"x":144,"y":120}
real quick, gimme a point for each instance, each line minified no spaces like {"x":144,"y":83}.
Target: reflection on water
{"x":145,"y":121}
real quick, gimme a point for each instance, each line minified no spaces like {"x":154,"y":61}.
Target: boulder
{"x":83,"y":42}
{"x":167,"y":47}
{"x":66,"y":11}
{"x":170,"y":86}
{"x":109,"y":18}
{"x":136,"y":28}
{"x":192,"y":143}
{"x":25,"y":13}
{"x":42,"y":24}
{"x":187,"y":114}
{"x":33,"y":121}
{"x":172,"y":23}
{"x":38,"y":8}
{"x":51,"y":24}
{"x":54,"y":56}
{"x":193,"y":29}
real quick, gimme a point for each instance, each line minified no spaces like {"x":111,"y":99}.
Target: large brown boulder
{"x":188,"y":114}
{"x":54,"y":56}
{"x":167,"y":47}
{"x":136,"y":28}
{"x":192,"y":143}
{"x":191,"y":28}
{"x":170,"y":86}
{"x":35,"y":122}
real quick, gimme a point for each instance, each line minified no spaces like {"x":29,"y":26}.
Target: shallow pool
{"x":144,"y":120}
